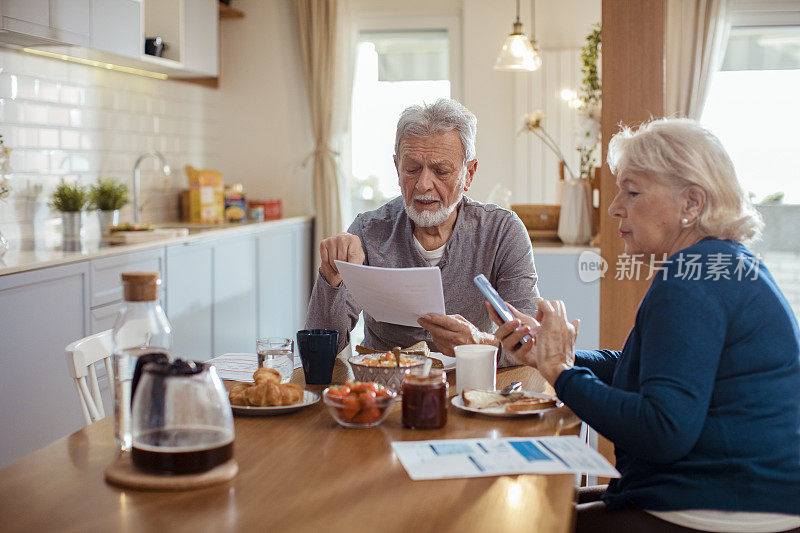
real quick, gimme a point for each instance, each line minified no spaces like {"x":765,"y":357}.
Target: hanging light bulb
{"x":519,"y":53}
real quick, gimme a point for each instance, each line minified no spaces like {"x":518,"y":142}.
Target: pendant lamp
{"x":519,"y":53}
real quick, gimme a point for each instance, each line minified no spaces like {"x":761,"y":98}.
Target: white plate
{"x":309,"y":398}
{"x":458,"y":403}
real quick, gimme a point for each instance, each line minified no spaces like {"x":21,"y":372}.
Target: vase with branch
{"x":576,"y":224}
{"x":532,"y":123}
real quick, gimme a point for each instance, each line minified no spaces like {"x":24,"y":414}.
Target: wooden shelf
{"x":228,"y":12}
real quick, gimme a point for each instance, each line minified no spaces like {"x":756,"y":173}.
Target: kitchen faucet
{"x":137,"y":179}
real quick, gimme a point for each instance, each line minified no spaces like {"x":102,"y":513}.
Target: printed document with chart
{"x":394,"y":295}
{"x":456,"y":458}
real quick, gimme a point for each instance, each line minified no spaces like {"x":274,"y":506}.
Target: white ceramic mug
{"x":476,"y":366}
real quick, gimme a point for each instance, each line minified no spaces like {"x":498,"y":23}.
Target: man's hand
{"x":453,"y":330}
{"x":344,"y":247}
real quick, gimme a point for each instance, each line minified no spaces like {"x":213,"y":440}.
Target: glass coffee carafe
{"x":181,"y":418}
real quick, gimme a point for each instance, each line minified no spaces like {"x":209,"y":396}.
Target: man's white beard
{"x":426,"y":219}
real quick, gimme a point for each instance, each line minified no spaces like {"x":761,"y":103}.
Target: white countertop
{"x":21,"y":261}
{"x":559,"y":248}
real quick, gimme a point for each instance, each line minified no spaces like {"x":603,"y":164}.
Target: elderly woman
{"x":703,"y":402}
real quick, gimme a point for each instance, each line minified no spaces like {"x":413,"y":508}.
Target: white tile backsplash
{"x":78,"y":123}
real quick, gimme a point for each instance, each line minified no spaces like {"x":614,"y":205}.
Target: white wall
{"x":265,"y":131}
{"x":491,"y":94}
{"x":74,"y":122}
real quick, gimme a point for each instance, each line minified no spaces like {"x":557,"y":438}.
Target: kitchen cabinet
{"x":35,"y":12}
{"x":117,"y":28}
{"x":103,"y":318}
{"x":200,"y":30}
{"x":189,"y":28}
{"x":284,"y":278}
{"x":106,"y":281}
{"x":71,"y":21}
{"x":26,"y":19}
{"x":114,"y":31}
{"x":32,"y":22}
{"x":234,"y":310}
{"x":40,"y":313}
{"x":303,"y":261}
{"x":276,"y":280}
{"x":190,"y":276}
{"x":220,"y":291}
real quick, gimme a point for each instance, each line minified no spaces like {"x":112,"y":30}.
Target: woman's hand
{"x":552,"y":349}
{"x":554,"y":346}
{"x":510,"y":334}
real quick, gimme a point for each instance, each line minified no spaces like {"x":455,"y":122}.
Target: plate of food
{"x":267,"y":396}
{"x":492,"y":403}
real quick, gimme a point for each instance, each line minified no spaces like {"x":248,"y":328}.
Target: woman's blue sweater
{"x":703,"y":402}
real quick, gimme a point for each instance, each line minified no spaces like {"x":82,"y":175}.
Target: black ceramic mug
{"x":318,"y":349}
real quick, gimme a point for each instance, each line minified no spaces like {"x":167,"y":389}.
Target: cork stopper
{"x":141,"y":286}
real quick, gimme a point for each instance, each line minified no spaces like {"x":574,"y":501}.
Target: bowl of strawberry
{"x":358,"y":404}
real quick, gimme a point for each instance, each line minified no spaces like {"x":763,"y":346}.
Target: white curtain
{"x":327,"y":44}
{"x":696,"y":37}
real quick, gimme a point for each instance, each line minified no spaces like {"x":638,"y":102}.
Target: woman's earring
{"x":684,"y":221}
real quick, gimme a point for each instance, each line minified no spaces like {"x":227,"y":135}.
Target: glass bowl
{"x":359,"y":409}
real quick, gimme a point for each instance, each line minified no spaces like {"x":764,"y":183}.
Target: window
{"x":752,"y":106}
{"x":394,"y":69}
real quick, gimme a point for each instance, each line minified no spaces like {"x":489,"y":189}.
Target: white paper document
{"x":394,"y":295}
{"x":456,"y":458}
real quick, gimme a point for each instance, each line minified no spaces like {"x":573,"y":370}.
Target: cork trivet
{"x":123,"y":473}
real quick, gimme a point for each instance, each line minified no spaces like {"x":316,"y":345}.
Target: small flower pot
{"x":73,"y":230}
{"x":108,"y":219}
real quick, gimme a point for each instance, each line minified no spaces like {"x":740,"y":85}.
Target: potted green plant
{"x":108,"y":197}
{"x":72,"y":200}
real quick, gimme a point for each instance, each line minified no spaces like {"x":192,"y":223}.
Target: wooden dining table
{"x":299,"y":472}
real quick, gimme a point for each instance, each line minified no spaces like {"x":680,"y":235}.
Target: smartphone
{"x":497,"y":303}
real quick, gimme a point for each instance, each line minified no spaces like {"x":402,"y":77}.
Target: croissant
{"x":238,"y":394}
{"x":267,"y":391}
{"x":266,"y":375}
{"x":264,"y":395}
{"x":291,"y":393}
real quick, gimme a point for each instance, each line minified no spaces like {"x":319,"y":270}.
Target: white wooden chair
{"x":81,"y":357}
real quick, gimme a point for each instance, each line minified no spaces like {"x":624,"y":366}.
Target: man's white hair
{"x":680,"y":152}
{"x":442,"y":116}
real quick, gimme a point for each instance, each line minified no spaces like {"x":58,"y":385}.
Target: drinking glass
{"x":318,"y":349}
{"x":277,"y":353}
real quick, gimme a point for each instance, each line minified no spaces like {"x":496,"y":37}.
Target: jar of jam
{"x":424,"y":399}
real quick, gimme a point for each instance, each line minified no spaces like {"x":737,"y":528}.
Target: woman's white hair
{"x":680,"y":152}
{"x":442,"y":116}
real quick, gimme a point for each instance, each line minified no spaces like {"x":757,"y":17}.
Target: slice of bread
{"x":529,"y":404}
{"x":420,"y":348}
{"x":482,"y":399}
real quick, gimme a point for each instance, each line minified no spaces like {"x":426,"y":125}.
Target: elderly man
{"x":431,"y":224}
